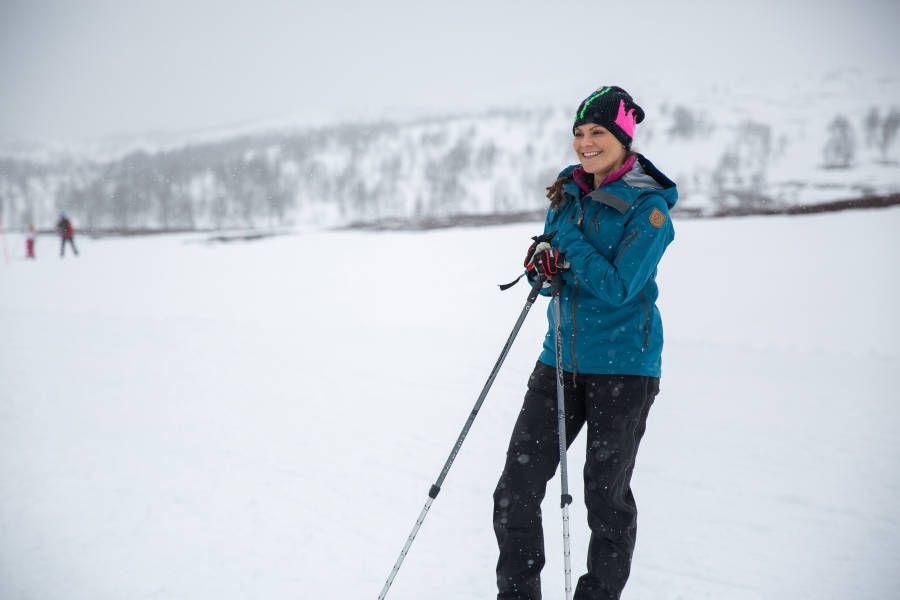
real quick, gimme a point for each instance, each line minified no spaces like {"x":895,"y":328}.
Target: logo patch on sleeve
{"x":657,"y":218}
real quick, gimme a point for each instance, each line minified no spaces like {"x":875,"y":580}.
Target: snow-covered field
{"x":187,"y":420}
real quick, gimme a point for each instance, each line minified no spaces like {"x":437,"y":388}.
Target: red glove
{"x":549,"y":263}
{"x":543,"y":259}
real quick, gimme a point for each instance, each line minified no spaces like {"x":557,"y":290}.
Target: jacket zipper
{"x":572,"y":337}
{"x":646,"y":323}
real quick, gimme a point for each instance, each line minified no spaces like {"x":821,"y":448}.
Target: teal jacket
{"x":613,"y":238}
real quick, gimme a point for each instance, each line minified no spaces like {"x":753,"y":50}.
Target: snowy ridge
{"x":729,"y":151}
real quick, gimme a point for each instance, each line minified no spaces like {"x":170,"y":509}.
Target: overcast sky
{"x":84,"y":69}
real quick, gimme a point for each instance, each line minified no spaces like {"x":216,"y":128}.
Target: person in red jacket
{"x":66,"y":234}
{"x":29,"y":242}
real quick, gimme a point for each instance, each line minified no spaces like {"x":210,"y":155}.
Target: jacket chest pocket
{"x":603,"y":227}
{"x":566,"y":214}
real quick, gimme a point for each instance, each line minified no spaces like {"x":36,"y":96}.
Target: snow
{"x":183,"y":419}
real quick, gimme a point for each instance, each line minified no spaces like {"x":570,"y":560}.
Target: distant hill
{"x":731,"y":152}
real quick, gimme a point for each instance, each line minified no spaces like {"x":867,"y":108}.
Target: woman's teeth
{"x":590,"y":154}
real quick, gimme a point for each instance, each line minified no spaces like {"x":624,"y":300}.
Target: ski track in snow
{"x":264,"y":419}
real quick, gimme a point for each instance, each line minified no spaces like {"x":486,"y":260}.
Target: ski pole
{"x":565,"y":497}
{"x":436,"y":488}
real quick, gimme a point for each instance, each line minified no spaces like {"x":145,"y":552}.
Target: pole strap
{"x":505,"y":286}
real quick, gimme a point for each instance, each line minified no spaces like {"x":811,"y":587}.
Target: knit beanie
{"x":613,"y":108}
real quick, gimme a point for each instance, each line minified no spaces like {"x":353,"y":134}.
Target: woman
{"x":611,"y":217}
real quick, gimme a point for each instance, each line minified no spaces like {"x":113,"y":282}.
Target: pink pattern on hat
{"x":626,"y":119}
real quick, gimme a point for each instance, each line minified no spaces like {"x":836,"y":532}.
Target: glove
{"x":548,"y":261}
{"x":539,"y":241}
{"x":540,"y":259}
{"x":544,"y":259}
{"x":529,"y":260}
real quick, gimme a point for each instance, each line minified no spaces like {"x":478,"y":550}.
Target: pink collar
{"x":580,"y":175}
{"x":620,"y":172}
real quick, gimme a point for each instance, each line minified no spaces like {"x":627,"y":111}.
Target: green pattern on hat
{"x":590,"y":99}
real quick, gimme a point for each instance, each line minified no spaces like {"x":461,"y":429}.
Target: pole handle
{"x":556,"y":284}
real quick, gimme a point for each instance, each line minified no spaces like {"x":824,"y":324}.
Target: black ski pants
{"x":62,"y":246}
{"x":615,"y":409}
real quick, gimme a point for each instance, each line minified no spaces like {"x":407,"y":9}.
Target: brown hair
{"x":554,"y":192}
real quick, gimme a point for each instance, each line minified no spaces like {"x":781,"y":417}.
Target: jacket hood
{"x":643,"y":175}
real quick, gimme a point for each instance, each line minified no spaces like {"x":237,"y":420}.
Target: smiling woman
{"x":601,"y":150}
{"x":609,"y":218}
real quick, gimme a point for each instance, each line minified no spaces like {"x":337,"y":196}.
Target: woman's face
{"x":598,"y":150}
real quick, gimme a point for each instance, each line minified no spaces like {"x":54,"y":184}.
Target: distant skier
{"x":66,"y":234}
{"x":29,"y":242}
{"x":611,"y":215}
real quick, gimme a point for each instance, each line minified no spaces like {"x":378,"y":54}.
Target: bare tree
{"x":890,"y":127}
{"x":872,"y":126}
{"x":840,"y":148}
